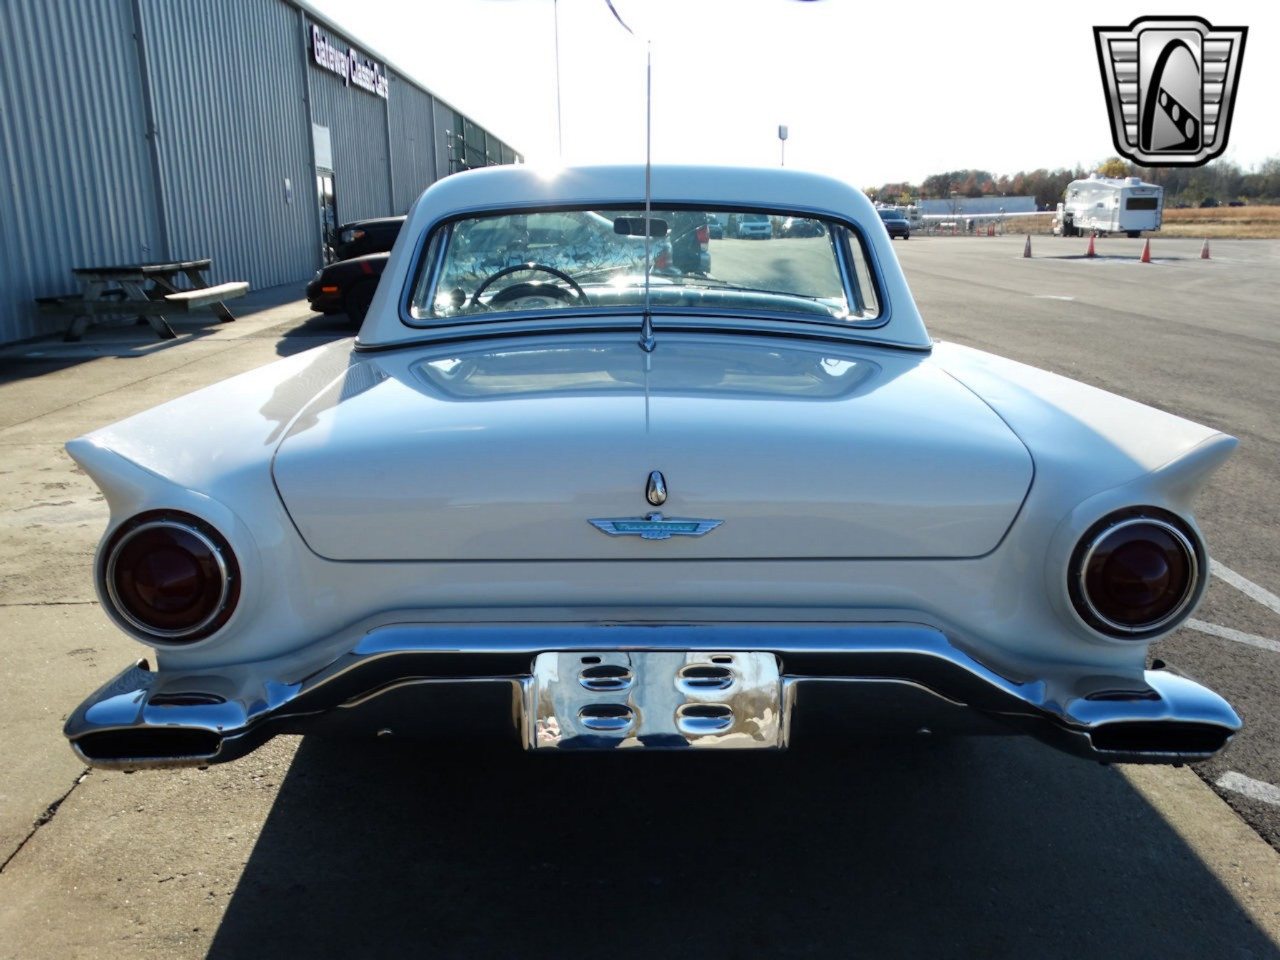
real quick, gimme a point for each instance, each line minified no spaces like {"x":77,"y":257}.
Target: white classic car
{"x":562,"y":491}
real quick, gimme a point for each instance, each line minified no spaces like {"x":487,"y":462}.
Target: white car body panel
{"x":983,"y":597}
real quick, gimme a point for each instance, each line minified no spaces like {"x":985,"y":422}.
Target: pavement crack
{"x":44,"y":819}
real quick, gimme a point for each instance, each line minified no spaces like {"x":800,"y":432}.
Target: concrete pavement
{"x":331,"y":849}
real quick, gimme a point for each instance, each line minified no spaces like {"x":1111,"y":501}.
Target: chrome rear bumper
{"x":832,"y":682}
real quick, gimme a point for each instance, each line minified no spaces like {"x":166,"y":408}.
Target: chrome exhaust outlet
{"x":144,"y":747}
{"x":1161,"y":740}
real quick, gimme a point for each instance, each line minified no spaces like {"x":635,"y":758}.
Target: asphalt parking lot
{"x":1193,"y":336}
{"x":955,"y":849}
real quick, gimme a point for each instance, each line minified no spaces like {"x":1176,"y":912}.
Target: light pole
{"x":782,"y":144}
{"x":555,"y":12}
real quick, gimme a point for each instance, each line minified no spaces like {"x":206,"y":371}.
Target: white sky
{"x":871,"y":91}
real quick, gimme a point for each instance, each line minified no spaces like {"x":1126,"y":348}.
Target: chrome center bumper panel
{"x":669,"y":686}
{"x":656,"y":698}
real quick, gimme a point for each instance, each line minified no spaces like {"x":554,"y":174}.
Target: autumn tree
{"x":1114,"y":167}
{"x":1220,"y":179}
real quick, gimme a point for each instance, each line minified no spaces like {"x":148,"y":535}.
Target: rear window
{"x":605,"y":369}
{"x":589,"y":261}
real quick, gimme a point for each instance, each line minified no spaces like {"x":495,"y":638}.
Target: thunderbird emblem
{"x":654,"y":526}
{"x":1171,"y":86}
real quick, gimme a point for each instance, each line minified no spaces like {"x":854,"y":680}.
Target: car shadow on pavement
{"x":959,"y":849}
{"x":317,"y":329}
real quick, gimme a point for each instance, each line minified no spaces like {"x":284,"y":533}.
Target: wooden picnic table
{"x":145,"y":290}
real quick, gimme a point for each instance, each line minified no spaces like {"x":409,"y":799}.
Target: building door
{"x":328,"y":212}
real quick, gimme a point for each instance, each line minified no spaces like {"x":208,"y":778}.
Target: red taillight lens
{"x":171,"y":577}
{"x":1133,"y":575}
{"x":662,"y":261}
{"x":703,"y":234}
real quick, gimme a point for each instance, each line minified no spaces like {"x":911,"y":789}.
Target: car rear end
{"x":360,"y":237}
{"x":754,"y":226}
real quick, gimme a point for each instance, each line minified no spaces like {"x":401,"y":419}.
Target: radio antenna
{"x":647,"y":342}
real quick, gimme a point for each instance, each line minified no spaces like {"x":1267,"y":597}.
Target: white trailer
{"x":1102,"y":205}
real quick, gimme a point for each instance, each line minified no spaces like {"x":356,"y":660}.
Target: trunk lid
{"x":816,"y":452}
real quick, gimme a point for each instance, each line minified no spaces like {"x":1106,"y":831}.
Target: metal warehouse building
{"x":145,"y":131}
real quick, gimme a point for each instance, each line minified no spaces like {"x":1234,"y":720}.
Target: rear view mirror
{"x":634,"y":227}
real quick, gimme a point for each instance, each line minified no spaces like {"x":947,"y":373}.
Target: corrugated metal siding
{"x":413,"y":140}
{"x":142,"y":130}
{"x":357,"y":123}
{"x":229,"y":103}
{"x":444,"y":138}
{"x":78,"y":184}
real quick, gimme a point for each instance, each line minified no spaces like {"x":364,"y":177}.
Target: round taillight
{"x":171,"y":577}
{"x":1133,"y":575}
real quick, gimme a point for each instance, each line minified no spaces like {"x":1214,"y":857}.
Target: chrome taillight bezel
{"x":220,"y":555}
{"x":1125,"y":522}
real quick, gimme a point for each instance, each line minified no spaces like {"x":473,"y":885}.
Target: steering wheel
{"x":507,"y":271}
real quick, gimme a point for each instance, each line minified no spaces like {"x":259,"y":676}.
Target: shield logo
{"x":1170,"y":84}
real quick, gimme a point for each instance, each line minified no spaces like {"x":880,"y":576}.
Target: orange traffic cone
{"x":1090,"y":252}
{"x":1204,"y":251}
{"x":1146,"y":251}
{"x":991,"y":230}
{"x":1026,"y":251}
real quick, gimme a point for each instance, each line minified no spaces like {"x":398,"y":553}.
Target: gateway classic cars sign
{"x":348,"y":64}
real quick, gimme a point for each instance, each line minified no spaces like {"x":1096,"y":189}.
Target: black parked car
{"x":347,"y":286}
{"x":359,"y":237}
